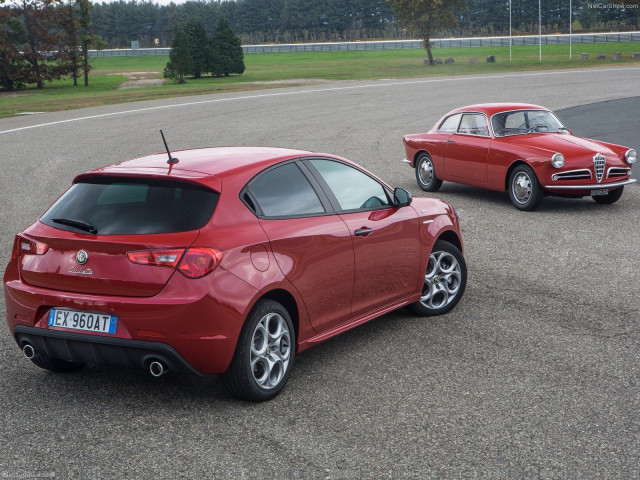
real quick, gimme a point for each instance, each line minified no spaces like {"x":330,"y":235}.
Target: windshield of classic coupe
{"x":520,"y":122}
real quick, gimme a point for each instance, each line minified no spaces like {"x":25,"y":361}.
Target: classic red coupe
{"x":519,"y":148}
{"x":224,"y":261}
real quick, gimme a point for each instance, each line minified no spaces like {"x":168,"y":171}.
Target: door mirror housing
{"x":401,"y":198}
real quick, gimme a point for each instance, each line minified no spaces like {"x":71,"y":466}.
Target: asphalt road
{"x":533,"y":375}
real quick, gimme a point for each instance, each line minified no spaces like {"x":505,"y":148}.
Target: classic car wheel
{"x":524,"y":189}
{"x":264,"y":355}
{"x":612,"y":197}
{"x":426,"y":174}
{"x":444,"y":281}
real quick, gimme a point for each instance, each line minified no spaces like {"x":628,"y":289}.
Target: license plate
{"x":85,"y":321}
{"x":595,"y":193}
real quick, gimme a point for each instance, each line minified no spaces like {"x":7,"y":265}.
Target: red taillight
{"x":197,"y":262}
{"x":163,"y":258}
{"x":27,"y":246}
{"x":192,"y":262}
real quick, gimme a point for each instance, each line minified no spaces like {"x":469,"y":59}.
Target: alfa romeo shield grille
{"x":598,"y":166}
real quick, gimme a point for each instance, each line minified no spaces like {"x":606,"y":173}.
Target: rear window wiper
{"x":80,"y":224}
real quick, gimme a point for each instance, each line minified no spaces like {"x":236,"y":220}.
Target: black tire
{"x":56,"y":365}
{"x":444,"y":282}
{"x":525,"y":191}
{"x":426,"y":174}
{"x":612,"y":197}
{"x":267,"y":326}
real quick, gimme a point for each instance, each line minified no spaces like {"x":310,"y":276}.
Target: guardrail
{"x":401,"y":44}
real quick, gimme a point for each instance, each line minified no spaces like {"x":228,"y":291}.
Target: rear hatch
{"x":91,"y":228}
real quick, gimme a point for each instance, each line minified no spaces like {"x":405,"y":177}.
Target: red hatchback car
{"x":229,"y":261}
{"x":521,"y":149}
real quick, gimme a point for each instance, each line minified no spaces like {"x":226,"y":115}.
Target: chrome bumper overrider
{"x":595,"y":186}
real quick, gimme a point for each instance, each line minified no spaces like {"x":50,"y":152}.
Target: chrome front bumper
{"x":595,"y":186}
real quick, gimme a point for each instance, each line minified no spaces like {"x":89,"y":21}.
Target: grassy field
{"x":271,"y":70}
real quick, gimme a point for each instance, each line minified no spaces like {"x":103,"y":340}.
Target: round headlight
{"x":557,"y":160}
{"x":631,"y":156}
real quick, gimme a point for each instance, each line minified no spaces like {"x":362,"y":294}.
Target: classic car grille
{"x":618,"y":172}
{"x":599,"y":163}
{"x":572,"y":175}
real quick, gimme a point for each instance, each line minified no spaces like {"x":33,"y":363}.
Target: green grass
{"x":278,"y":69}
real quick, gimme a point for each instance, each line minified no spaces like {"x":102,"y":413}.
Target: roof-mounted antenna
{"x":171,"y":160}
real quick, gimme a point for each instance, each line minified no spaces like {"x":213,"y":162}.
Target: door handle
{"x":451,"y":141}
{"x":363,"y":232}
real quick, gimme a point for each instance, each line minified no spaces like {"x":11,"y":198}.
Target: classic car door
{"x":386,"y":240}
{"x":468,"y":148}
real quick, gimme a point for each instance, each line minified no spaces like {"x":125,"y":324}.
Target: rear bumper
{"x":79,"y":348}
{"x":595,"y":186}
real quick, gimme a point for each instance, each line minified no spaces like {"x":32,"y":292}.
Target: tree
{"x":198,"y":46}
{"x":41,"y":40}
{"x":226,"y":51}
{"x":12,"y":64}
{"x":180,"y":61}
{"x":426,"y":18}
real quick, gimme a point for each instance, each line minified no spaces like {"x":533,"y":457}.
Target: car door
{"x":309,"y":241}
{"x":468,"y":148}
{"x":386,"y":239}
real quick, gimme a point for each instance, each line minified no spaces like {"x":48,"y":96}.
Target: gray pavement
{"x":533,"y":375}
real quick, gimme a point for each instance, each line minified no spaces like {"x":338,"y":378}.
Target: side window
{"x":450,"y":124}
{"x":285,"y":192}
{"x":474,"y":124}
{"x":353,"y":189}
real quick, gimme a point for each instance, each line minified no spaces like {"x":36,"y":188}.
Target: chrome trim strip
{"x":571,"y":174}
{"x":406,"y":161}
{"x":426,"y":222}
{"x":621,"y":169}
{"x":597,"y":186}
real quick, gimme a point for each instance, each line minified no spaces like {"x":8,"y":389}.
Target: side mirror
{"x":401,"y":198}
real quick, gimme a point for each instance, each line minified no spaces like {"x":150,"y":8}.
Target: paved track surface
{"x":534,"y":375}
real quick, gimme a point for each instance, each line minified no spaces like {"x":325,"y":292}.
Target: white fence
{"x":402,"y":44}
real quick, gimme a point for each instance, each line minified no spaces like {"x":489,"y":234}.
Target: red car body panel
{"x":485,"y":161}
{"x":331,"y":279}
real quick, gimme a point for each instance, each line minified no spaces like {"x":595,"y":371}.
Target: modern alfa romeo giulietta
{"x":519,"y":148}
{"x":225,"y":261}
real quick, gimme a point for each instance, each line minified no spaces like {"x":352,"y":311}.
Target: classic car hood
{"x":568,"y":145}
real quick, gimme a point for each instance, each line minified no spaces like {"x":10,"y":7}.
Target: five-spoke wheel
{"x":264,"y":355}
{"x":444,"y":280}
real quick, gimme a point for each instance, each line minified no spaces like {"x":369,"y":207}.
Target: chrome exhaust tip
{"x":28,"y":351}
{"x":157,"y":368}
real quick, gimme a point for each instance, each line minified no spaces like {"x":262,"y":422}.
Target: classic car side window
{"x":285,"y":192}
{"x":353,"y":189}
{"x":450,"y":124}
{"x":474,"y":124}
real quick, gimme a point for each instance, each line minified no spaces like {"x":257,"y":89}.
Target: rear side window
{"x":116,"y":206}
{"x":285,"y":192}
{"x":450,"y":124}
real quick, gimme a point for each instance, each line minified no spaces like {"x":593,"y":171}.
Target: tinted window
{"x":450,"y":125}
{"x":352,"y":188}
{"x":474,"y":124}
{"x":116,"y":206}
{"x":285,"y":192}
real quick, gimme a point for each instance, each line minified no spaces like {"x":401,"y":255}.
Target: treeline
{"x":291,"y":21}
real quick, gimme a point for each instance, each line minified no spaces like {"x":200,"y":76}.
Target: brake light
{"x":162,"y":258}
{"x":27,"y":246}
{"x":191,"y":262}
{"x":197,"y":262}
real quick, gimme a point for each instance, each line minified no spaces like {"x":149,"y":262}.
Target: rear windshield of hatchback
{"x":122,"y":206}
